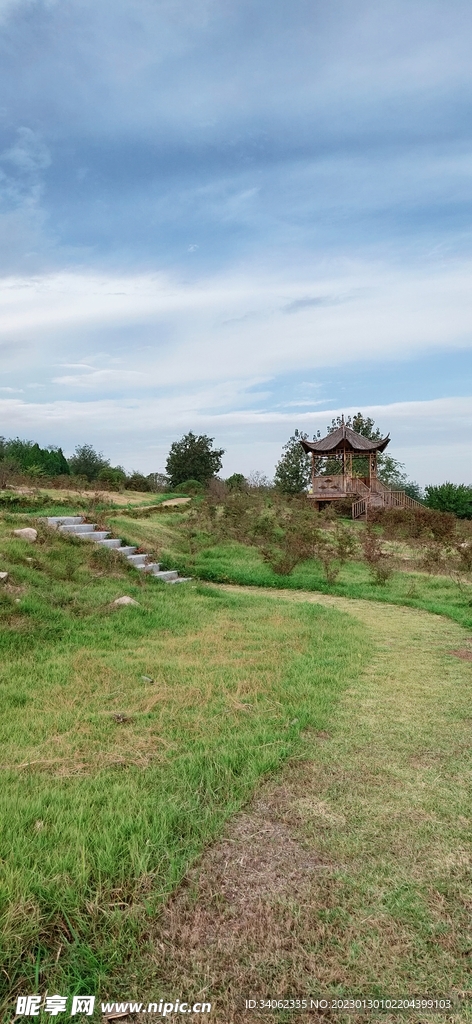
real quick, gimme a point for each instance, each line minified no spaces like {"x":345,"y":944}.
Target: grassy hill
{"x":133,"y":738}
{"x":128,"y":737}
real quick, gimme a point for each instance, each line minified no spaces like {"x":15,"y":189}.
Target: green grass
{"x":101,"y":815}
{"x":238,"y":563}
{"x":372,"y":876}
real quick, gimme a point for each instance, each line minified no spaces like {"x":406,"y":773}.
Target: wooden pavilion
{"x":344,"y":447}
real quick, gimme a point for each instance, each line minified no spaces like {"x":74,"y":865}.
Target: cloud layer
{"x":235,"y":217}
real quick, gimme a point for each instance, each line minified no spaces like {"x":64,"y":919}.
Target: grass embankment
{"x":128,"y":737}
{"x":56,"y":502}
{"x":242,"y":564}
{"x":349,"y":875}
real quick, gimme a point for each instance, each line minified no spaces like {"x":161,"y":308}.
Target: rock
{"x":3,"y":577}
{"x":126,"y":600}
{"x":27,"y":534}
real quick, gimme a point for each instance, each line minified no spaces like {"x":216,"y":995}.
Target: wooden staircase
{"x":380,"y":496}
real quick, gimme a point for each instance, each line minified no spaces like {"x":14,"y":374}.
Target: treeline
{"x":85,"y":466}
{"x":193,"y":464}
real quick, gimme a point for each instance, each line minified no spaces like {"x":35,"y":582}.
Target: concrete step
{"x":64,"y":520}
{"x":139,"y":561}
{"x":77,"y":527}
{"x":94,"y":535}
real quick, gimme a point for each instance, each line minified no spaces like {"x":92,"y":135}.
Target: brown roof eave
{"x":344,"y":444}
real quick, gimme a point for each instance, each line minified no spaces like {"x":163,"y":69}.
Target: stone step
{"x":64,"y":520}
{"x":77,"y":527}
{"x":137,"y":560}
{"x":94,"y":535}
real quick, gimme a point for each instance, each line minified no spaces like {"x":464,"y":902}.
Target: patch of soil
{"x":464,"y":653}
{"x":233,"y":927}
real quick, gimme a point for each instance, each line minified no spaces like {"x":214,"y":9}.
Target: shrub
{"x":236,"y":482}
{"x":413,"y":522}
{"x":379,"y":564}
{"x":453,"y":498}
{"x":190,"y":487}
{"x":137,"y":482}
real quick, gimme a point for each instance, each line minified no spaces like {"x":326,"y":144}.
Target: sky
{"x":240,"y":218}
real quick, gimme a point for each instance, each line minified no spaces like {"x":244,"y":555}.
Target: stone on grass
{"x":27,"y":534}
{"x":126,"y":600}
{"x":3,"y":577}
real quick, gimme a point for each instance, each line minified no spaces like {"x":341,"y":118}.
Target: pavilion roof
{"x":344,"y":439}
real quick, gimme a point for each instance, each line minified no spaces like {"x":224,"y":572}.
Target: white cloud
{"x":432,"y":438}
{"x":180,"y":333}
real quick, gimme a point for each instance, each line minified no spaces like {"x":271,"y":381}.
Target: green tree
{"x":137,"y":482}
{"x":28,"y":457}
{"x":389,"y":470}
{"x":193,"y":457}
{"x":292,"y":473}
{"x":87,"y":462}
{"x":456,"y":498}
{"x":236,"y":482}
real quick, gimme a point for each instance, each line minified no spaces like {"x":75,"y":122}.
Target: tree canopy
{"x":193,"y":457}
{"x":456,"y":498}
{"x":28,"y":457}
{"x":87,"y":462}
{"x":292,"y":473}
{"x":389,"y":470}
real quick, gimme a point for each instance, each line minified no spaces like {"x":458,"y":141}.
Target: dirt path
{"x":175,"y":501}
{"x":350,"y":873}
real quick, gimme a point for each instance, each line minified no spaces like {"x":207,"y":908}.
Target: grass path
{"x":350,"y":873}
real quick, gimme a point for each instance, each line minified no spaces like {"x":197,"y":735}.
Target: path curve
{"x":367,"y":836}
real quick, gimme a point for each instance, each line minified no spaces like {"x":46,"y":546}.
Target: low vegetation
{"x":417,"y":558}
{"x":132,"y":737}
{"x":128,"y":737}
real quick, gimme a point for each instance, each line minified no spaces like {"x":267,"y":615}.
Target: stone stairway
{"x":77,"y":526}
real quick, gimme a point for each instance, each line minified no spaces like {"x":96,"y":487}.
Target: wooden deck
{"x":377,"y":495}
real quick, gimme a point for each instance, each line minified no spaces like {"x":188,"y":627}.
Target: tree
{"x":456,"y":498}
{"x":87,"y":462}
{"x":193,"y":458}
{"x":292,"y":473}
{"x":137,"y":482}
{"x":236,"y":482}
{"x":28,"y":457}
{"x":361,"y":424}
{"x":389,"y":470}
{"x":157,"y":481}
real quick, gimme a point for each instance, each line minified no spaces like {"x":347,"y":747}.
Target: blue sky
{"x":236,"y":217}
